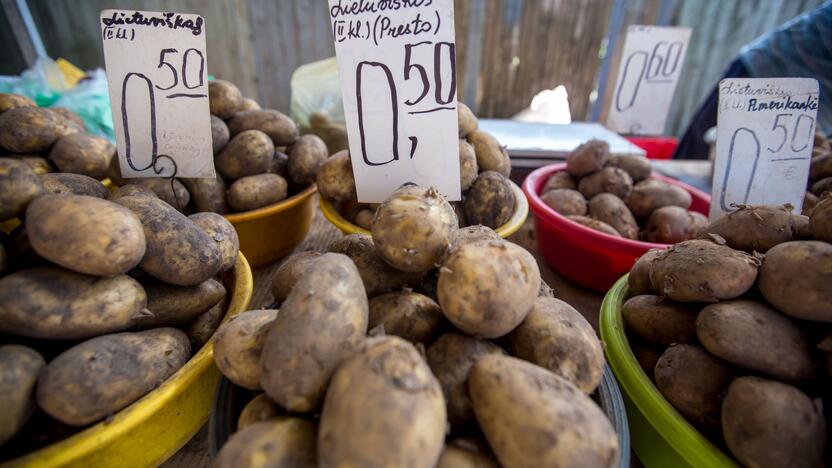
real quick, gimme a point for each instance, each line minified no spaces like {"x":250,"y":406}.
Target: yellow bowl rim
{"x":521,"y":212}
{"x":87,"y":441}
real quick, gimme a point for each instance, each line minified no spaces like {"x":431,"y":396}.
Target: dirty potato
{"x":259,"y":409}
{"x":280,"y":128}
{"x":406,"y":314}
{"x":608,"y":180}
{"x":38,"y":164}
{"x":557,"y":337}
{"x":128,"y":191}
{"x":672,"y":224}
{"x":19,"y":185}
{"x":73,"y":184}
{"x":13,"y":101}
{"x":486,"y":288}
{"x":171,"y":191}
{"x":173,"y":306}
{"x":754,"y":228}
{"x":283,"y":442}
{"x":820,"y":223}
{"x":335,"y":179}
{"x":490,"y":201}
{"x":490,"y":155}
{"x":565,"y":201}
{"x":250,"y":152}
{"x":594,"y":224}
{"x":637,"y":166}
{"x":238,"y":346}
{"x":224,"y":98}
{"x":378,"y":277}
{"x":289,"y":272}
{"x":29,"y":129}
{"x":103,"y":375}
{"x":202,"y":328}
{"x":219,"y":134}
{"x":660,"y":321}
{"x":467,"y":120}
{"x":650,"y":194}
{"x":19,"y":368}
{"x":588,"y":158}
{"x":468,"y":168}
{"x":221,"y":231}
{"x":306,"y":156}
{"x":83,"y":154}
{"x":611,"y":209}
{"x":795,"y":278}
{"x":256,"y":191}
{"x":639,"y":279}
{"x":207,"y":194}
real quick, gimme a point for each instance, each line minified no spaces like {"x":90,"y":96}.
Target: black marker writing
{"x":167,"y":20}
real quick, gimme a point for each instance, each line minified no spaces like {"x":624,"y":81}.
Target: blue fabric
{"x":800,"y":48}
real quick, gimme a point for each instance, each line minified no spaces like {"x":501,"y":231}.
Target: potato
{"x":383,"y":395}
{"x":795,"y":278}
{"x":221,"y":231}
{"x":306,"y":156}
{"x":753,"y":336}
{"x":29,"y":129}
{"x":475,"y":233}
{"x":172,"y":306}
{"x":821,"y":186}
{"x":565,"y":201}
{"x":335,"y":180}
{"x":178,"y":251}
{"x":809,"y":202}
{"x":257,"y":191}
{"x":19,"y":185}
{"x":289,"y":272}
{"x":559,"y":180}
{"x":378,"y":277}
{"x":545,"y":290}
{"x":219,"y":134}
{"x":486,"y":288}
{"x":71,"y":122}
{"x":672,"y":224}
{"x":468,"y":169}
{"x":106,"y":239}
{"x":753,"y":228}
{"x":83,"y":154}
{"x":702,"y":271}
{"x":53,"y":303}
{"x":202,"y":328}
{"x":284,"y":442}
{"x":638,"y":167}
{"x":647,"y":357}
{"x":456,"y":455}
{"x":279,"y":164}
{"x":821,"y":220}
{"x":608,"y":180}
{"x":821,"y":167}
{"x":801,"y":227}
{"x":320,"y":322}
{"x":610,"y":209}
{"x":557,"y":337}
{"x":19,"y":368}
{"x":450,"y":358}
{"x":490,"y":201}
{"x":38,"y":164}
{"x":114,"y":173}
{"x":467,"y":120}
{"x":171,"y":191}
{"x":660,"y":321}
{"x":514,"y":399}
{"x":490,"y":155}
{"x":4,"y":260}
{"x":126,"y":190}
{"x":414,"y":228}
{"x":102,"y":375}
{"x":238,"y":346}
{"x":207,"y":194}
{"x":595,"y":224}
{"x":281,"y":129}
{"x":588,"y":158}
{"x":364,"y":218}
{"x":249,"y":104}
{"x":249,"y":153}
{"x":650,"y":194}
{"x":768,"y":423}
{"x":259,"y":409}
{"x":14,"y":101}
{"x":224,"y":98}
{"x":406,"y":314}
{"x":459,"y":211}
{"x":73,"y":184}
{"x":693,"y":382}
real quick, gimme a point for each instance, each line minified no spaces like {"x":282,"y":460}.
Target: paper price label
{"x":647,"y":76}
{"x":765,"y":133}
{"x":158,"y":79}
{"x":397,"y":65}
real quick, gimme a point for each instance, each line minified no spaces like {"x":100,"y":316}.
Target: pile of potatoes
{"x":439,"y":343}
{"x":614,"y":194}
{"x":484,"y":169}
{"x":820,"y":173}
{"x":103,"y":296}
{"x":732,"y":329}
{"x":259,"y":156}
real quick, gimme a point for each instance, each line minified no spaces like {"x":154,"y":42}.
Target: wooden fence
{"x":508,"y":50}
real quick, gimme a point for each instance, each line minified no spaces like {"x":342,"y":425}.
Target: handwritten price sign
{"x":647,"y":77}
{"x":158,"y":82}
{"x":397,"y":64}
{"x":765,"y":133}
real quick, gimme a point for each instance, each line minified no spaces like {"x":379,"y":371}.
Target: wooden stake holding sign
{"x":397,"y":65}
{"x":158,"y":79}
{"x":647,"y":77}
{"x":765,"y":134}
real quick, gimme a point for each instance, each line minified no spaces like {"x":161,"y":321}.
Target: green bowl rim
{"x":674,"y":429}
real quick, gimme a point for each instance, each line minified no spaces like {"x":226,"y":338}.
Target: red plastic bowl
{"x":584,"y":255}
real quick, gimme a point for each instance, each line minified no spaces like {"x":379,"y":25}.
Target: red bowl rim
{"x":539,"y":176}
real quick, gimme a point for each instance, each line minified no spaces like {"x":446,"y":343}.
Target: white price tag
{"x":647,"y":76}
{"x":158,"y":79}
{"x":765,"y":133}
{"x":397,"y":64}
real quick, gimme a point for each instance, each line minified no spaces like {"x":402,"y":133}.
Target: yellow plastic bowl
{"x":152,"y":429}
{"x":269,"y":233}
{"x":521,"y":212}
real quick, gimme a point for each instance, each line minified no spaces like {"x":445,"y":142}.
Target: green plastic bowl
{"x":659,"y":435}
